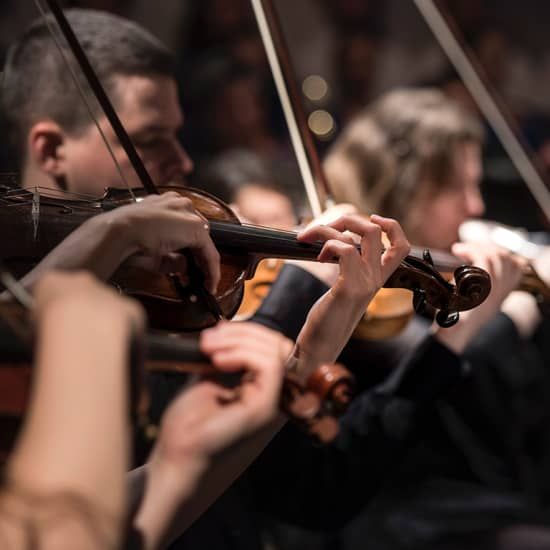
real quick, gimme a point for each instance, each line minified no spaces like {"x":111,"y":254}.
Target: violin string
{"x":82,"y":92}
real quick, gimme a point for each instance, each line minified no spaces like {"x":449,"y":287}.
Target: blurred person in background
{"x":243,"y":179}
{"x":478,"y":479}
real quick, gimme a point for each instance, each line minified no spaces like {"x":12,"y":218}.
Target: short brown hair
{"x":402,"y":138}
{"x":37,"y":84}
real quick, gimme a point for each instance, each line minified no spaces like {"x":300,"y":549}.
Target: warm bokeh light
{"x":322,"y":124}
{"x":315,"y":87}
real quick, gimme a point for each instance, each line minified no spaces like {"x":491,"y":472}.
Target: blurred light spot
{"x":315,"y":87}
{"x":321,"y":123}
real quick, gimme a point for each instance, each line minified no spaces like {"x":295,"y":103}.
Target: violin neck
{"x":264,"y":242}
{"x":261,"y":242}
{"x":166,"y":348}
{"x":442,"y":261}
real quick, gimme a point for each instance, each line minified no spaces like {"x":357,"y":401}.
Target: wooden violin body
{"x":313,"y":404}
{"x":33,"y":223}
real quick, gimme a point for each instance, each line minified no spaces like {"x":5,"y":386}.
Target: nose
{"x":185,"y":161}
{"x":475,"y":206}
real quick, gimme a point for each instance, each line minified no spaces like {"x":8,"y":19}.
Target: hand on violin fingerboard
{"x":361,"y":274}
{"x":210,"y":433}
{"x":326,"y":272}
{"x":505,"y":270}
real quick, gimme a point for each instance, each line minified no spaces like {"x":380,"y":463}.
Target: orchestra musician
{"x":416,"y":155}
{"x":65,"y":484}
{"x":60,"y":148}
{"x":52,"y":141}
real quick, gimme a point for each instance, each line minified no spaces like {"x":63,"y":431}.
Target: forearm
{"x":99,"y":245}
{"x":60,"y":521}
{"x":328,"y":328}
{"x":173,"y":499}
{"x":75,"y":438}
{"x":522,"y":309}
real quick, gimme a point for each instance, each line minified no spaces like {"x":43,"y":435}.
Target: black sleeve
{"x":392,"y":408}
{"x":323,"y":487}
{"x":498,"y":340}
{"x":291,"y":297}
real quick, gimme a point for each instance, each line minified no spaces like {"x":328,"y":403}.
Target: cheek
{"x":445,"y":217}
{"x":91,"y":170}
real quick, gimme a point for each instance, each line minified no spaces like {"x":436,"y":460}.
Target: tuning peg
{"x":445,"y":319}
{"x":419,"y":301}
{"x":427,"y":257}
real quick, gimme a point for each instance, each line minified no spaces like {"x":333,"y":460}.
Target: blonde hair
{"x":406,"y":137}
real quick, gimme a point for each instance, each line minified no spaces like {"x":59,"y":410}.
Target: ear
{"x":45,"y":147}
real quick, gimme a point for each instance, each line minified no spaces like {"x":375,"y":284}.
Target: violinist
{"x":64,"y":485}
{"x":61,"y":149}
{"x":56,"y":143}
{"x":416,"y":154}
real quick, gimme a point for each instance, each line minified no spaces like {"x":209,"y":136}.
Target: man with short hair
{"x":56,"y":142}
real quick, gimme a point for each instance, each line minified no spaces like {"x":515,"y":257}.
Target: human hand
{"x":362,"y":272}
{"x":159,"y":226}
{"x":505,"y":270}
{"x":326,"y":272}
{"x":208,"y":417}
{"x":80,"y":394}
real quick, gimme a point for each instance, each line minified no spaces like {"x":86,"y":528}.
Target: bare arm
{"x":333,"y":318}
{"x":66,"y":475}
{"x":209,"y":435}
{"x":212,"y":453}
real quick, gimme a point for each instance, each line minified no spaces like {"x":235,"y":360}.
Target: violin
{"x":38,"y":222}
{"x":516,"y":241}
{"x":16,"y":376}
{"x":33,"y":223}
{"x":313,"y":404}
{"x":388,"y":313}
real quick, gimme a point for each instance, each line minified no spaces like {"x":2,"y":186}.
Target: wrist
{"x":522,"y":309}
{"x":169,"y":486}
{"x":119,"y":227}
{"x":354,"y":298}
{"x":181,"y":473}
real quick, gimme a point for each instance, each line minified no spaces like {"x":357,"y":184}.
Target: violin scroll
{"x":434,"y":296}
{"x":472,"y":287}
{"x":316,"y":404}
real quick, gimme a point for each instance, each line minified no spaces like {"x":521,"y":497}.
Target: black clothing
{"x":322,"y":487}
{"x":438,"y":454}
{"x":483,"y":463}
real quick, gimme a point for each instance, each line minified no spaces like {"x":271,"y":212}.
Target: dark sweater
{"x":323,"y":487}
